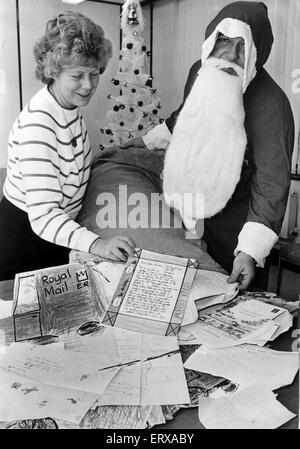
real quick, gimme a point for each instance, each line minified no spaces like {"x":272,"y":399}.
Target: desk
{"x":289,"y":258}
{"x":188,"y":418}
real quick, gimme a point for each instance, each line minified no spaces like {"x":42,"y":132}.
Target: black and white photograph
{"x":149,"y":217}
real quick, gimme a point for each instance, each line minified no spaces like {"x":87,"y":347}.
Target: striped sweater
{"x":47,"y":176}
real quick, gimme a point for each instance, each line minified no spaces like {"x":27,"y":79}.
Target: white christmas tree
{"x":135,"y":109}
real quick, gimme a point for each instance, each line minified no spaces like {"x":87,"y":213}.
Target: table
{"x":289,"y":259}
{"x":188,"y":418}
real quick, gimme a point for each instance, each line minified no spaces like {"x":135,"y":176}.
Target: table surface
{"x":188,"y":418}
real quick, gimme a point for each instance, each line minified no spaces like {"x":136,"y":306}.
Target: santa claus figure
{"x":204,"y":159}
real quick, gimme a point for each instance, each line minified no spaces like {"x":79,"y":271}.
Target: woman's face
{"x":75,"y":85}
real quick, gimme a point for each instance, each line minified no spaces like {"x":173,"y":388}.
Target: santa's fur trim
{"x":257,"y":240}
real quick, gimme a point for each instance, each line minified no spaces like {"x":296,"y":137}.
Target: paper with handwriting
{"x":151,"y":370}
{"x":53,"y":365}
{"x":247,"y":364}
{"x":152,"y":293}
{"x":253,"y":407}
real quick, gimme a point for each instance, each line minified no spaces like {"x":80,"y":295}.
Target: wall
{"x":178,"y":34}
{"x":33,"y":16}
{"x":9,"y":85}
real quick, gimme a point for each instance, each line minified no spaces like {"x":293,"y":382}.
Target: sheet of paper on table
{"x":44,"y":361}
{"x":211,"y":283}
{"x":190,"y":313}
{"x":247,"y":364}
{"x":209,"y":288}
{"x":53,"y":365}
{"x":22,"y":398}
{"x":238,"y":322}
{"x":159,"y":381}
{"x":110,"y":274}
{"x":151,"y":366}
{"x":152,"y":293}
{"x":121,"y":345}
{"x":253,"y":407}
{"x":284,"y":322}
{"x":157,"y":384}
{"x":204,"y":303}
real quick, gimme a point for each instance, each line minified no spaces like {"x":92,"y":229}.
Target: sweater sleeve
{"x":42,"y":171}
{"x":272,"y":141}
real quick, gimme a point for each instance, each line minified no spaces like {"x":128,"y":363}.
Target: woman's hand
{"x":116,"y":248}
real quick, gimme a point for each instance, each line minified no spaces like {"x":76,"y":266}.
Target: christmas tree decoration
{"x":135,"y":104}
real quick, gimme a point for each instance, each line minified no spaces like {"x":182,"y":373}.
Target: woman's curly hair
{"x":70,"y":39}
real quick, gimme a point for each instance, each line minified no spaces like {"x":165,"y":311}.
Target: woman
{"x":49,"y":155}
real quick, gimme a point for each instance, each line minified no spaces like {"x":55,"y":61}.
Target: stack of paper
{"x":272,"y":298}
{"x":151,"y":369}
{"x":112,"y":368}
{"x":241,"y":321}
{"x":255,"y":371}
{"x":211,"y":288}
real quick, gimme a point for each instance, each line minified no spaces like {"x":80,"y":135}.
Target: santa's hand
{"x":243,"y":270}
{"x":137,"y":143}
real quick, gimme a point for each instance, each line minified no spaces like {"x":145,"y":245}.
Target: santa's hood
{"x":250,"y":21}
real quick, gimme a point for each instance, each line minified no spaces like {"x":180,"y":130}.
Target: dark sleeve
{"x":272,"y":142}
{"x":170,"y":121}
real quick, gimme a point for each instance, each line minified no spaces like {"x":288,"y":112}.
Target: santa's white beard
{"x":204,"y":159}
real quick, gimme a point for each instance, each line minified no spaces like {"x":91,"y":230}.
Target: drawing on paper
{"x":56,"y":300}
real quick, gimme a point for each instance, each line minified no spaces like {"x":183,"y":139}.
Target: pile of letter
{"x":115,"y":378}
